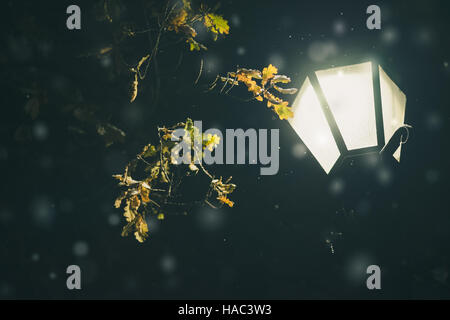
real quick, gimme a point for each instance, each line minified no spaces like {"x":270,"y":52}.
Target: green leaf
{"x":216,"y":24}
{"x":194,"y":45}
{"x":283,"y":111}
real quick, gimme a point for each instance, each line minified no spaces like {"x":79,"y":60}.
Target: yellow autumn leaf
{"x":134,"y":88}
{"x":251,"y":84}
{"x":225,"y":200}
{"x":212,"y":141}
{"x":283,"y":111}
{"x":141,"y":225}
{"x":193,"y":167}
{"x":144,"y":192}
{"x":167,"y":136}
{"x":242,"y":77}
{"x":117,"y":203}
{"x":141,"y":229}
{"x":216,"y":24}
{"x":160,"y":216}
{"x":268,"y":73}
{"x":138,"y":237}
{"x":128,"y":212}
{"x":194,"y":45}
{"x":178,"y":21}
{"x":148,"y":151}
{"x":187,"y":4}
{"x":253,"y":87}
{"x":134,"y":203}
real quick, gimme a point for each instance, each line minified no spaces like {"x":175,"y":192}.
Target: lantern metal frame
{"x":379,"y":124}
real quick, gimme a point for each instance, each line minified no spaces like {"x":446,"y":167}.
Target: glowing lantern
{"x":347,"y":111}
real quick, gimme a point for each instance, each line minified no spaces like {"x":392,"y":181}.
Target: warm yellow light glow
{"x":393,"y":102}
{"x":310,"y":124}
{"x":349,"y":93}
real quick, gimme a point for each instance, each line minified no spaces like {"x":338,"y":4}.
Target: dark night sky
{"x":58,"y":194}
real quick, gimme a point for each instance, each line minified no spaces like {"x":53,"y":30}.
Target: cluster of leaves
{"x":84,"y":118}
{"x":185,"y":18}
{"x":162,"y":18}
{"x":268,"y":80}
{"x":155,"y":193}
{"x":180,"y":18}
{"x":151,"y":181}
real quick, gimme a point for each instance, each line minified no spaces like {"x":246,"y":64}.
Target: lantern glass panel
{"x":393,"y":103}
{"x":349,"y":93}
{"x":310,"y":124}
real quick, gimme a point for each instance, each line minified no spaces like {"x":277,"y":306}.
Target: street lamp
{"x":347,"y":111}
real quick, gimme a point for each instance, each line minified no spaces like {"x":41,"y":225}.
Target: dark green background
{"x":58,"y":191}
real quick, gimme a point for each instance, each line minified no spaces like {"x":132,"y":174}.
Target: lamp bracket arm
{"x":400,"y":136}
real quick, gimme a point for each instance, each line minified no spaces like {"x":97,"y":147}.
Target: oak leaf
{"x":141,"y":229}
{"x":178,"y":21}
{"x":225,"y":200}
{"x":216,"y":24}
{"x":268,"y":73}
{"x":283,"y":111}
{"x":211,"y":141}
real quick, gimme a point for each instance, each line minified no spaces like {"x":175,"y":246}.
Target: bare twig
{"x":200,"y":72}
